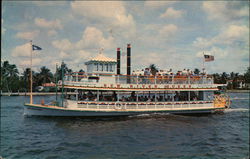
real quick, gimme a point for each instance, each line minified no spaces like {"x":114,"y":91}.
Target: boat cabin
{"x":101,"y":65}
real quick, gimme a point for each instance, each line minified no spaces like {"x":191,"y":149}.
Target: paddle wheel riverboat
{"x":103,"y":92}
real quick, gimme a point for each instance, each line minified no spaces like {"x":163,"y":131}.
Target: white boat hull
{"x":34,"y":110}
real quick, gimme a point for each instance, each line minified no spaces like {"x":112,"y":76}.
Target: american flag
{"x":208,"y":58}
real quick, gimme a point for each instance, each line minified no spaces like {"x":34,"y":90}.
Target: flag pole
{"x":203,"y":63}
{"x":31,"y":82}
{"x":56,"y":82}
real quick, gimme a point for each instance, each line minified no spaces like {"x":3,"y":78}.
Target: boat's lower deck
{"x":73,"y":108}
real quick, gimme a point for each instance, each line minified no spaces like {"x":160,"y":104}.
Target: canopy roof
{"x":100,"y":58}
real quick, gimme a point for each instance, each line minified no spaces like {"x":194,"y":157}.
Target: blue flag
{"x":34,"y":47}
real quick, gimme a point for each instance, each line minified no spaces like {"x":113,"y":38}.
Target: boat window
{"x":101,"y":67}
{"x":111,"y":69}
{"x":96,"y":66}
{"x":93,"y":77}
{"x":107,"y":66}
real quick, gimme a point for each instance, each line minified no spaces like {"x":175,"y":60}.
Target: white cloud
{"x":157,"y":4}
{"x":52,"y":33}
{"x":172,"y":13}
{"x":27,"y":35}
{"x":108,"y":14}
{"x":225,"y":10}
{"x":41,"y":22}
{"x":49,"y":3}
{"x":231,"y":35}
{"x":83,"y":54}
{"x":202,"y":42}
{"x":22,"y":50}
{"x":111,"y":11}
{"x":35,"y":62}
{"x":20,"y":26}
{"x":146,"y":60}
{"x":98,"y":9}
{"x":157,"y":35}
{"x":94,"y":38}
{"x":162,"y":29}
{"x":63,"y":55}
{"x":168,"y":29}
{"x":63,"y":44}
{"x":234,"y":33}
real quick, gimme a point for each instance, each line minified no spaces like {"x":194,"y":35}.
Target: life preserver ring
{"x":118,"y":105}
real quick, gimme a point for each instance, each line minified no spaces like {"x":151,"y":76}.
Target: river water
{"x":143,"y":137}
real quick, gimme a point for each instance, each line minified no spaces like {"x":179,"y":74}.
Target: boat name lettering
{"x":168,"y":86}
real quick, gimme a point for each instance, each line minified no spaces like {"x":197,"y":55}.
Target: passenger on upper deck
{"x":170,"y":72}
{"x":147,"y":72}
{"x":184,"y":72}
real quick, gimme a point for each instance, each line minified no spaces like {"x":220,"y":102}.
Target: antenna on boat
{"x":62,"y":67}
{"x":31,"y":82}
{"x":101,"y":50}
{"x":56,"y":83}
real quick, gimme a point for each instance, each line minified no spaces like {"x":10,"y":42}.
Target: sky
{"x":169,"y":34}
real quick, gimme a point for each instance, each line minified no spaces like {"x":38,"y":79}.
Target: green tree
{"x":44,"y":76}
{"x":9,"y":77}
{"x":217,"y":78}
{"x":66,"y":70}
{"x":235,"y":81}
{"x":224,"y":78}
{"x":25,"y":80}
{"x":247,"y":76}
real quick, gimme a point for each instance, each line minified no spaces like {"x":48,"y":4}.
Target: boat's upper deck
{"x":139,"y":81}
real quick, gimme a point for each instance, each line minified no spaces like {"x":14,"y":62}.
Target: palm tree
{"x":9,"y":77}
{"x":217,"y":78}
{"x":24,"y":80}
{"x":224,"y":77}
{"x":65,"y":71}
{"x":44,"y":76}
{"x":232,"y":75}
{"x":247,"y":75}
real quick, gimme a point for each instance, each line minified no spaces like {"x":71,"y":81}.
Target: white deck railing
{"x":124,"y":79}
{"x":144,"y":105}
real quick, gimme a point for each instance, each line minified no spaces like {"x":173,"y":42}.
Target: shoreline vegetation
{"x":14,"y":82}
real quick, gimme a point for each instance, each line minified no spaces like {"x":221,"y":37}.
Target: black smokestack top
{"x":128,"y":59}
{"x":118,"y":68}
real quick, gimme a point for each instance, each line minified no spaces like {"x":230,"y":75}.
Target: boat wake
{"x":236,"y":110}
{"x":236,"y":98}
{"x":149,"y":115}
